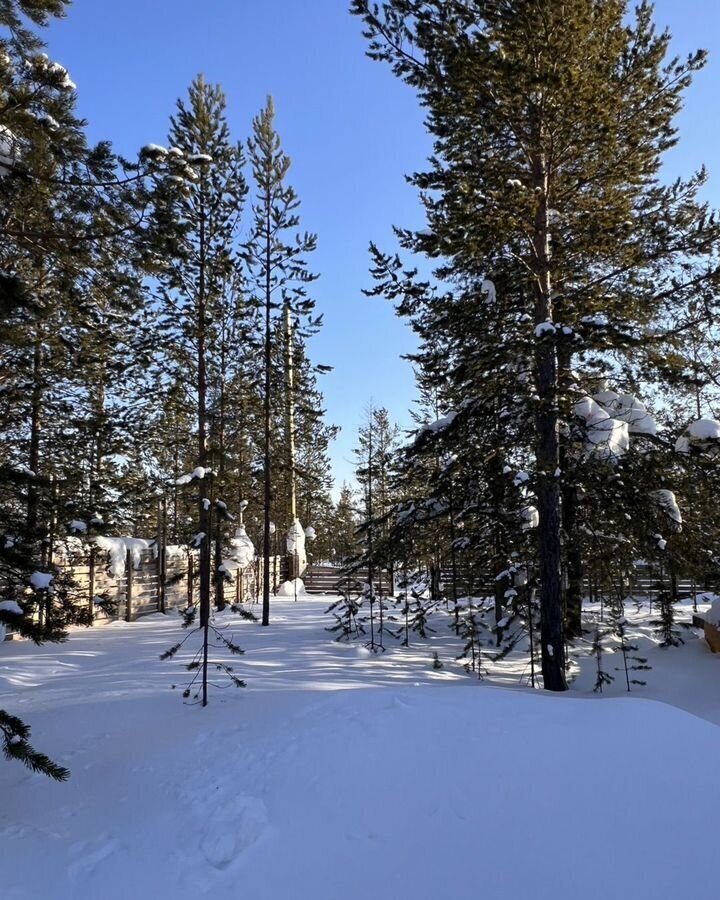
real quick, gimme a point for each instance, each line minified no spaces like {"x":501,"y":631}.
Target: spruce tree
{"x":346,"y":522}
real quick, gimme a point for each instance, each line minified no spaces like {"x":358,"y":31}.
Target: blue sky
{"x":352,"y":130}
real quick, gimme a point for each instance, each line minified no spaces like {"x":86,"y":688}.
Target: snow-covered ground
{"x":341,"y":774}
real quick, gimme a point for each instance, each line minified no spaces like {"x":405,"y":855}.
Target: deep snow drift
{"x":418,"y":783}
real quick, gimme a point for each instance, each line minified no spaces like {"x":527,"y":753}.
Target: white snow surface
{"x":335,"y":769}
{"x":8,"y":150}
{"x":154,"y":149}
{"x":488,"y":288}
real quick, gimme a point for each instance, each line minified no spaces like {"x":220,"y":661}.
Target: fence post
{"x":129,"y":585}
{"x":190,"y":579}
{"x":161,"y":576}
{"x":91,"y":584}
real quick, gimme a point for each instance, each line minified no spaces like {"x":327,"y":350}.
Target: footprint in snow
{"x":238,"y":823}
{"x":91,"y":854}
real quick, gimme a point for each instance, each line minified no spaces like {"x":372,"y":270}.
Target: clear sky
{"x":352,"y":130}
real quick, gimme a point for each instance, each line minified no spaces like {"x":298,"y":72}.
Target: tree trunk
{"x":267,"y":477}
{"x":219,"y":576}
{"x":292,"y":558}
{"x":572,"y":544}
{"x":547,"y":451}
{"x":204,"y":507}
{"x":573,"y":562}
{"x":36,"y":403}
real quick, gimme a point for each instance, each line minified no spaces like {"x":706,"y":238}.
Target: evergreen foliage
{"x":561,"y":258}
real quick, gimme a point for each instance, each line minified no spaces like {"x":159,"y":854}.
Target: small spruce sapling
{"x":470,"y":632}
{"x":346,"y":610}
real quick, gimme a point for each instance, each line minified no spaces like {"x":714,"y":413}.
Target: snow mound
{"x":712,"y":615}
{"x":291,"y":588}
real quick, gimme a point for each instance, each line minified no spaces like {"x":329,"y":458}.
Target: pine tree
{"x":278,"y":278}
{"x":550,"y":123}
{"x":198,"y":210}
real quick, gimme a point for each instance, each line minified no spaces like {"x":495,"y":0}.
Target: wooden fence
{"x":151,"y":581}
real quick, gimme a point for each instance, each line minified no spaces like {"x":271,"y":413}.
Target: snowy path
{"x":414,"y":784}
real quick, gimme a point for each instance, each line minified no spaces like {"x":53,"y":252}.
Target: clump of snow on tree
{"x":627,"y":408}
{"x":438,"y":425}
{"x":118,"y":548}
{"x":295,"y":545}
{"x":8,"y":150}
{"x":703,"y":434}
{"x":196,"y":475}
{"x":242,"y":552}
{"x":544,"y":328}
{"x":605,"y":435}
{"x":668,"y":503}
{"x":41,"y":581}
{"x":530,"y":518}
{"x":488,"y":288}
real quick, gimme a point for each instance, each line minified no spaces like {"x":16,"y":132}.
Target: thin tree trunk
{"x":36,"y":404}
{"x":204,"y":507}
{"x":370,"y":530}
{"x":267,"y":477}
{"x":547,"y":451}
{"x":573,"y":561}
{"x":219,"y":576}
{"x":292,"y":559}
